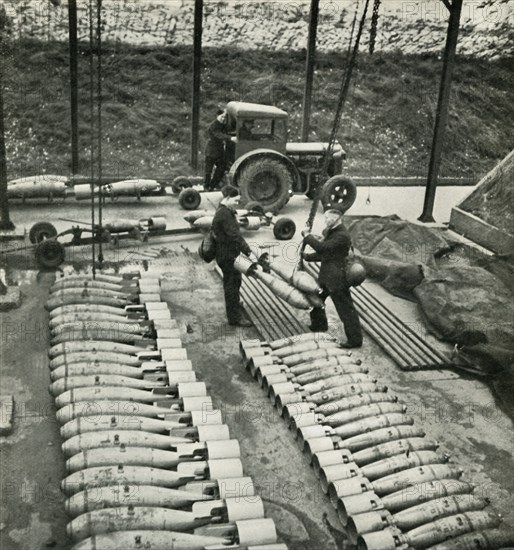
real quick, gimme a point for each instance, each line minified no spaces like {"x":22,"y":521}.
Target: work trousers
{"x":231,"y":286}
{"x":212,"y":181}
{"x":345,"y":308}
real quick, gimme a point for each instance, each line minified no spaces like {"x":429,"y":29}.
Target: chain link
{"x":374,"y":24}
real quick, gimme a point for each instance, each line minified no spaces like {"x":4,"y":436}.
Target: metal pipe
{"x":391,"y":336}
{"x":99,"y":118}
{"x":383,"y":320}
{"x":309,"y":68}
{"x":395,"y":354}
{"x":431,"y":350}
{"x":441,"y":116}
{"x":266,"y":310}
{"x":73,"y":46}
{"x":197,"y":68}
{"x":92,"y":127}
{"x":265,"y":330}
{"x":281,"y":310}
{"x":379,"y":335}
{"x":5,"y":221}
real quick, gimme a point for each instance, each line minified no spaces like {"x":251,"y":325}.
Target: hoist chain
{"x":374,"y":24}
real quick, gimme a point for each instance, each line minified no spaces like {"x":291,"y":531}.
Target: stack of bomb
{"x":298,"y":289}
{"x":149,"y":462}
{"x":52,"y":186}
{"x":391,"y":487}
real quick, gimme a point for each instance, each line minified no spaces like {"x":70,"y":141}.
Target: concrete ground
{"x":455,"y":409}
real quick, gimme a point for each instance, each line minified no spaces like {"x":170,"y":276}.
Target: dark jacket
{"x":216,"y":137}
{"x":332,"y":251}
{"x":229,"y":242}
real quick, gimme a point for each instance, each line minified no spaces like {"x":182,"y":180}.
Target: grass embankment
{"x":386,"y":130}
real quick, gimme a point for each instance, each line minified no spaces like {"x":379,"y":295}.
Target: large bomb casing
{"x":124,"y":518}
{"x":135,"y":495}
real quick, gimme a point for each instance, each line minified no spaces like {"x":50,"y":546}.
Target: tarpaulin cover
{"x":467,"y":297}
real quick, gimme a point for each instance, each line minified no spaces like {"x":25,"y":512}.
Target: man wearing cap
{"x":217,"y":135}
{"x":245,"y":132}
{"x":332,"y":250}
{"x":229,"y":244}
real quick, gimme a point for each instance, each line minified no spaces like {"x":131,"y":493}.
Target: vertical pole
{"x":197,"y":62}
{"x":72,"y":29}
{"x":92,"y":132}
{"x":441,"y":117}
{"x":99,"y":125}
{"x":5,"y":220}
{"x":309,"y":69}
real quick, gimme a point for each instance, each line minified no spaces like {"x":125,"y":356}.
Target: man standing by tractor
{"x":229,"y":244}
{"x":332,"y":250}
{"x":215,"y":151}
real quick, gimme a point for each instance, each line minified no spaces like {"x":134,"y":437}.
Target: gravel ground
{"x":456,"y":410}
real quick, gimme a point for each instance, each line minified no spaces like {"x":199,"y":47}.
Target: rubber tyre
{"x":284,"y":229}
{"x":338,"y":192}
{"x":189,"y":199}
{"x":254,"y":206}
{"x":41,"y":231}
{"x":265,"y":180}
{"x":179,"y":184}
{"x":49,"y":254}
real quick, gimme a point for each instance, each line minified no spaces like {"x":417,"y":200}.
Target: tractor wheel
{"x":267,"y":181}
{"x":254,"y":206}
{"x":284,"y":229}
{"x":189,"y":199}
{"x":339,"y":193}
{"x":41,"y":231}
{"x":180,"y":183}
{"x":49,"y":254}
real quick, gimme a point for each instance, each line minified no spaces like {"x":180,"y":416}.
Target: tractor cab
{"x":257,"y":127}
{"x":267,"y":169}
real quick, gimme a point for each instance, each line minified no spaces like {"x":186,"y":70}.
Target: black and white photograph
{"x":256,"y":274}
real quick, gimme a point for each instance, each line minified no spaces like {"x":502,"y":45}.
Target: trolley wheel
{"x":189,"y":199}
{"x":339,"y":193}
{"x":41,"y":231}
{"x":284,"y":229}
{"x":180,"y":183}
{"x":49,"y":254}
{"x":255,"y":206}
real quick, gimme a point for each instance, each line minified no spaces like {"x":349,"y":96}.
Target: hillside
{"x":386,"y":129}
{"x":487,"y":26}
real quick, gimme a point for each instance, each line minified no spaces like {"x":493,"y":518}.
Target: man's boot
{"x":319,"y":321}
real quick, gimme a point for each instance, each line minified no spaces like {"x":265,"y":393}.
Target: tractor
{"x":268,"y":169}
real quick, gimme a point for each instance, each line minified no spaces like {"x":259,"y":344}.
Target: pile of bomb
{"x":53,"y":186}
{"x":149,"y":462}
{"x":390,"y":486}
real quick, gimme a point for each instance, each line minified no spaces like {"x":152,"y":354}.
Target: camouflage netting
{"x":466,"y":297}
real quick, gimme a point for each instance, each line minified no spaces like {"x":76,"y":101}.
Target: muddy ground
{"x":455,"y":409}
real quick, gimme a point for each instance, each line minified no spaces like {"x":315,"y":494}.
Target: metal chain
{"x":337,"y":117}
{"x":374,"y":25}
{"x":354,"y":22}
{"x":335,"y":127}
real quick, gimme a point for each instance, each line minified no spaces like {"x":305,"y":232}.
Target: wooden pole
{"x":197,"y":68}
{"x":441,"y":117}
{"x":72,"y":30}
{"x":309,"y":69}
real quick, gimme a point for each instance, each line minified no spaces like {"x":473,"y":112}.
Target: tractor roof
{"x":254,"y":110}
